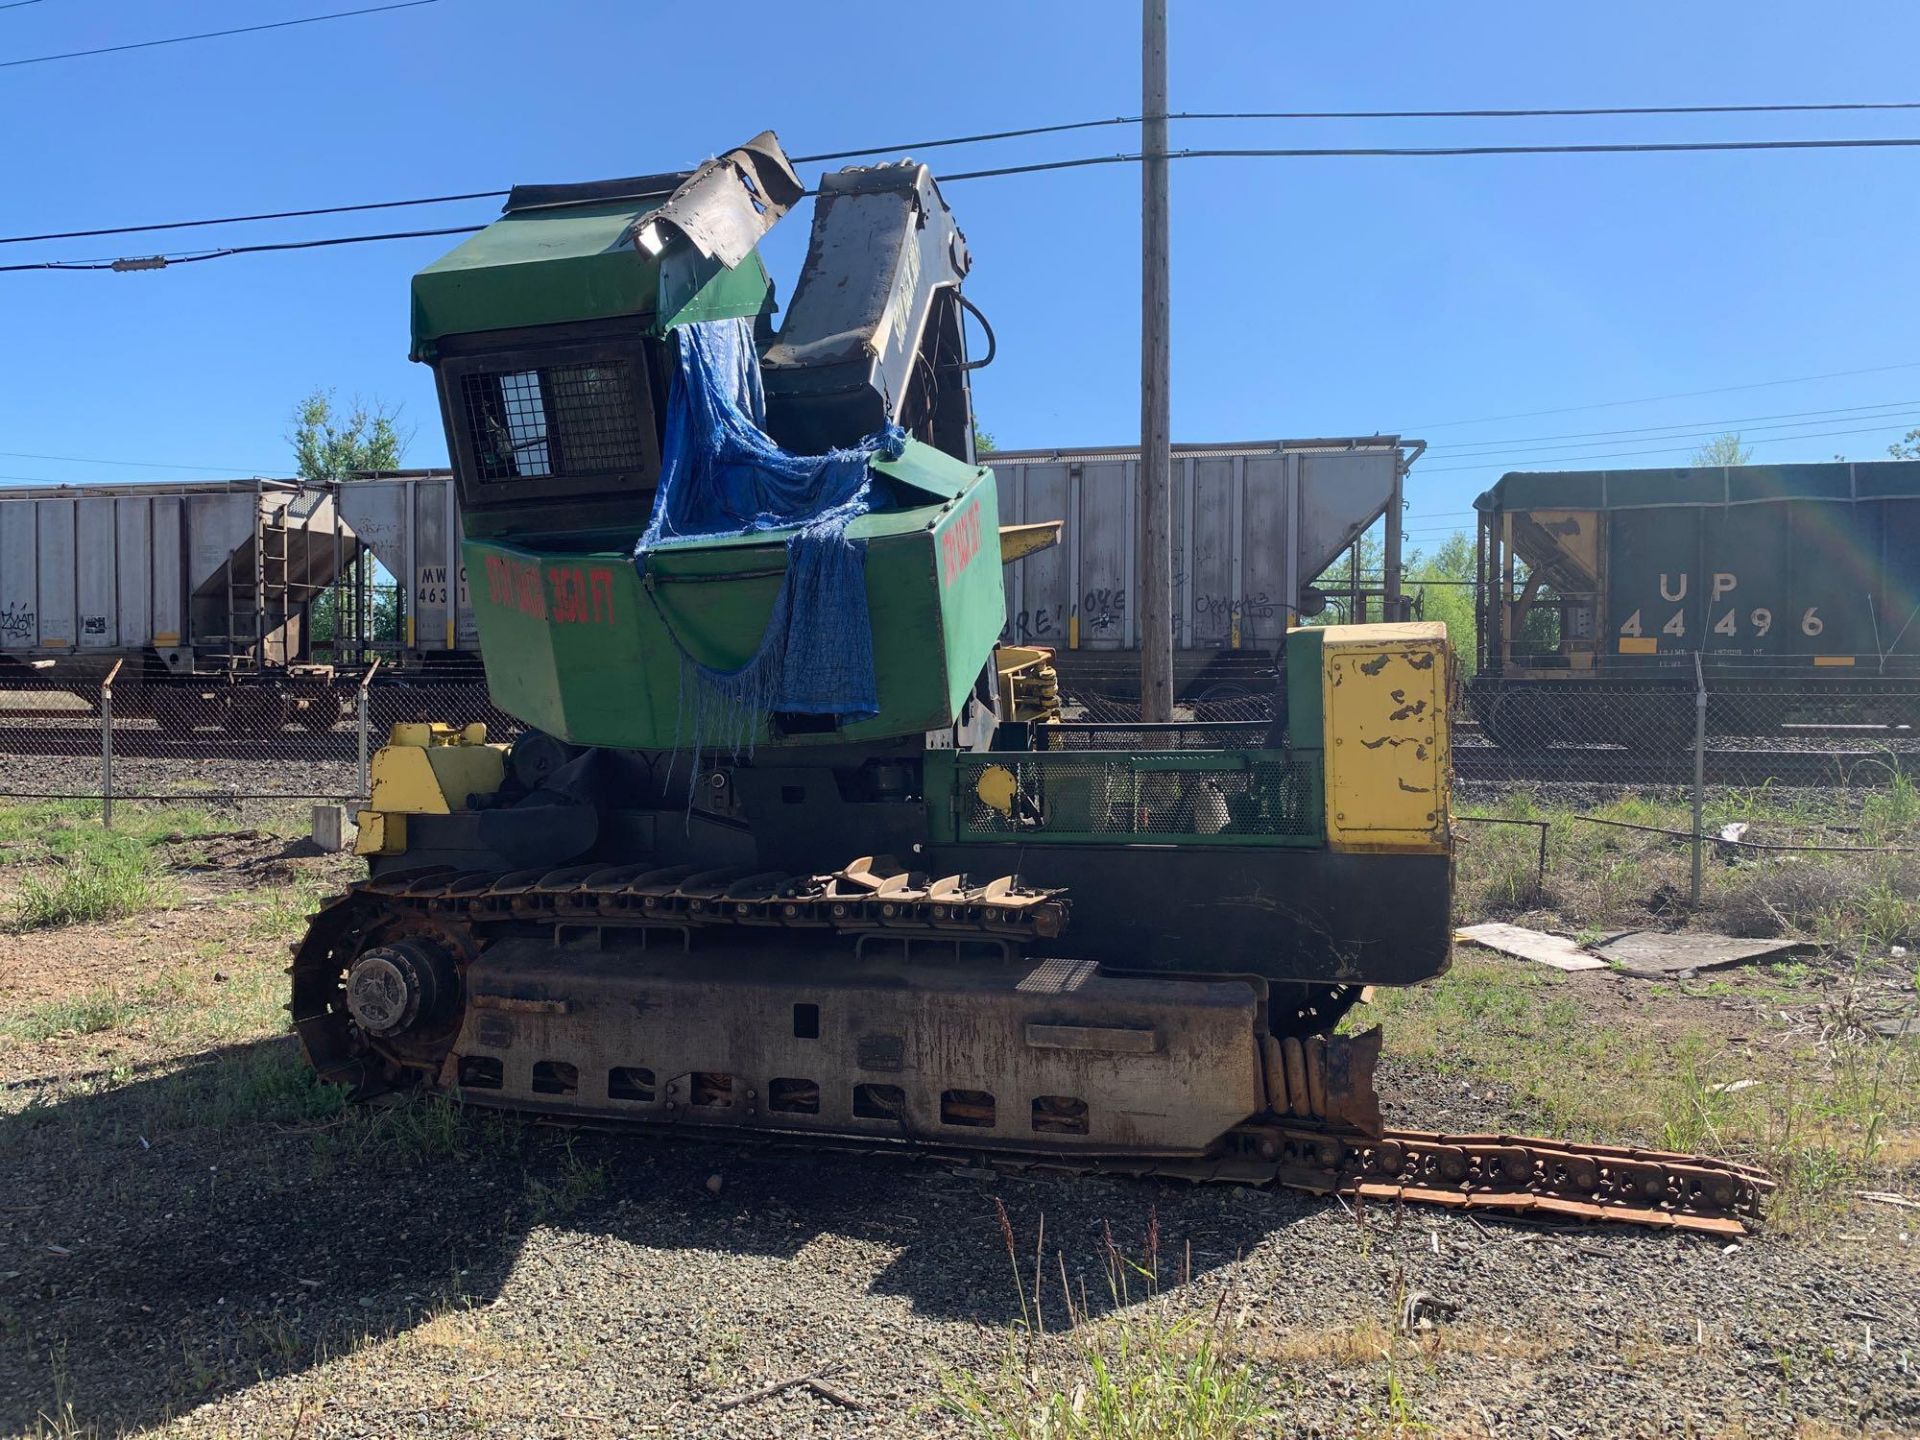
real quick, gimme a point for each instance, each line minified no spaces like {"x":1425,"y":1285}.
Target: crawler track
{"x":1524,"y":1175}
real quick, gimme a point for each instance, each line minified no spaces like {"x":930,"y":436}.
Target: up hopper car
{"x":1794,"y":589}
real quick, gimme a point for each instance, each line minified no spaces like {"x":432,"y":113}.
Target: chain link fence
{"x":110,"y":738}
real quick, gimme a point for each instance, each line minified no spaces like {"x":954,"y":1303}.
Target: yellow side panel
{"x":1388,"y":768}
{"x":1639,"y":645}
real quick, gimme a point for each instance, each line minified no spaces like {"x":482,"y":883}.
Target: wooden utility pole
{"x":1155,"y":571}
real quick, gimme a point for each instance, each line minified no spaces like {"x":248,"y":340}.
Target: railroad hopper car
{"x":199,"y":593}
{"x":1255,"y":526}
{"x":187,"y":585}
{"x":1795,"y":590}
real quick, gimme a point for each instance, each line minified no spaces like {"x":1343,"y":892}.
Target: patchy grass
{"x":1133,"y":1374}
{"x":1835,"y":1109}
{"x":1600,"y":877}
{"x":85,"y":889}
{"x":75,"y":870}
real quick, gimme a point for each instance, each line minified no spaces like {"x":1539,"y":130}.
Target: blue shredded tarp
{"x":720,"y":475}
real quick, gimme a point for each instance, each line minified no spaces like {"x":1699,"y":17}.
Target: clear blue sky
{"x":1311,"y":297}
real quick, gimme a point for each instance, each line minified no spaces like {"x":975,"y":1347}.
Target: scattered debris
{"x":1516,"y":940}
{"x":1905,"y":1027}
{"x":60,"y":1250}
{"x":1734,"y":831}
{"x":814,"y":1380}
{"x":1660,"y":955}
{"x":714,"y":1182}
{"x":1732,"y":1087}
{"x":1884,"y":1197}
{"x":1422,"y":1310}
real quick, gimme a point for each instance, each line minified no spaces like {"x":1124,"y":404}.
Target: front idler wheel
{"x":393,"y":988}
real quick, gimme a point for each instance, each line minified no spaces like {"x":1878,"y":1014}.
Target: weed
{"x":88,"y":888}
{"x":1132,"y":1375}
{"x":88,"y":1014}
{"x":573,"y":1183}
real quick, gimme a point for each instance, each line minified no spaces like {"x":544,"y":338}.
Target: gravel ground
{"x":189,"y":1244}
{"x":344,"y":1280}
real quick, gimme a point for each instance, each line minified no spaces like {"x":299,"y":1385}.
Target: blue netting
{"x":722,"y":475}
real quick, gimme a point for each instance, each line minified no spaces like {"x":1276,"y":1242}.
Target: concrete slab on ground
{"x":1536,"y":945}
{"x":1659,"y":955}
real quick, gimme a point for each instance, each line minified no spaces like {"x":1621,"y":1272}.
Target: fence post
{"x":106,"y":746}
{"x":360,"y":729}
{"x":1699,"y":766}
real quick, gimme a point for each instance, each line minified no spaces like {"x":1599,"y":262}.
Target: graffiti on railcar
{"x":16,"y":623}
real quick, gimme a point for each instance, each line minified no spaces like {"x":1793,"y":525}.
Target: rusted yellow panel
{"x":1639,"y":645}
{"x":432,"y":769}
{"x":1388,"y":768}
{"x":379,"y":834}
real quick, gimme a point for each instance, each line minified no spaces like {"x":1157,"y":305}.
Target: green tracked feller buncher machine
{"x":954,"y":923}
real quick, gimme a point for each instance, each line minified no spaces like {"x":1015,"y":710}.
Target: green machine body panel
{"x":582,"y":646}
{"x":540,"y":268}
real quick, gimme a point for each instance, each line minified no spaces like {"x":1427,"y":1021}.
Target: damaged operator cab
{"x":550,"y":332}
{"x":548,"y":336}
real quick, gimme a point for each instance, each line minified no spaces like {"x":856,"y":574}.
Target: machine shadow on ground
{"x":198,"y":1229}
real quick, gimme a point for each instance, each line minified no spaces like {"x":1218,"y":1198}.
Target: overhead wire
{"x":1482,"y":114}
{"x":1031,"y":130}
{"x":1420,"y":152}
{"x":158,"y":262}
{"x":1653,"y":399}
{"x":1466,"y":449}
{"x":139,"y":464}
{"x":1491,"y":463}
{"x":214,"y":34}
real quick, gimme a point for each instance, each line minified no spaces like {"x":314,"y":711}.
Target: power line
{"x":1492,"y":464}
{"x":141,"y":464}
{"x":211,"y":34}
{"x":992,"y":135}
{"x":1685,"y":428}
{"x":1427,"y":152}
{"x":16,"y":4}
{"x":1593,"y":110}
{"x":164,"y":262}
{"x":263,"y":215}
{"x":1655,"y":399}
{"x":1022,"y":169}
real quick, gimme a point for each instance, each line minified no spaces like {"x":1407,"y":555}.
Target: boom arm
{"x":875,"y":330}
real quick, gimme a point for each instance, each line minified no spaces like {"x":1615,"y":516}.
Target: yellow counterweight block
{"x":425,"y":770}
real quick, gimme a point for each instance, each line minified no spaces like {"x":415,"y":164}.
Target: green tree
{"x":1907,"y":448}
{"x":333,"y":445}
{"x":1441,"y":586}
{"x":982,"y":440}
{"x":1727,"y":450}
